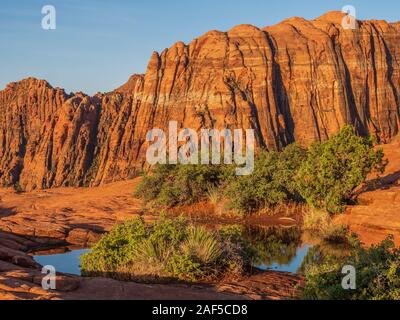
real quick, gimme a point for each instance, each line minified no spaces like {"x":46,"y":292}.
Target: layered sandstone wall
{"x":296,"y":81}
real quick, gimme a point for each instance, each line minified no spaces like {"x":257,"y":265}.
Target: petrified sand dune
{"x":296,"y":81}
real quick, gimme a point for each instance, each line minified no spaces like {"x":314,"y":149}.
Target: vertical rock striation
{"x":296,"y":81}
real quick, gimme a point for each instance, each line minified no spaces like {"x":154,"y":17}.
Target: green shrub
{"x":202,"y":244}
{"x":115,"y":248}
{"x":377,"y":274}
{"x":334,"y":168}
{"x":152,"y":183}
{"x":271,"y":183}
{"x":171,"y":185}
{"x":166,"y":249}
{"x":325,"y":175}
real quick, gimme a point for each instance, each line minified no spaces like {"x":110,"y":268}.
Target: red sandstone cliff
{"x":296,"y":81}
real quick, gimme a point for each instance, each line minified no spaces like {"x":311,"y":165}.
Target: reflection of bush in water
{"x":318,"y":253}
{"x":268,"y":245}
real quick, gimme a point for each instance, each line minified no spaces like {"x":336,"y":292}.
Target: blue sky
{"x":98,"y":44}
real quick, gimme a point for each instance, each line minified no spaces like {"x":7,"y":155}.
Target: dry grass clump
{"x":320,"y":223}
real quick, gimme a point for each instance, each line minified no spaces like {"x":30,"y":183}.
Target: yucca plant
{"x":151,"y":253}
{"x":202,"y":245}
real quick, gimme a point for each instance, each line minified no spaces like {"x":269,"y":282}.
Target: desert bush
{"x":377,"y":274}
{"x":166,"y":249}
{"x":203,"y":245}
{"x":115,"y":248}
{"x":152,"y":182}
{"x":325,"y":176}
{"x":171,"y":185}
{"x":271,"y":183}
{"x":334,"y":168}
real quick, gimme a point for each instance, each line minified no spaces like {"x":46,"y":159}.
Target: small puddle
{"x":293,"y":265}
{"x":276,"y":248}
{"x":66,"y":261}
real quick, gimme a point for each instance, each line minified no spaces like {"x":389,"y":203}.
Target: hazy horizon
{"x":98,"y":45}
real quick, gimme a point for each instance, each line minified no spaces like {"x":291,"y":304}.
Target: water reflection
{"x":317,"y":254}
{"x":275,"y":247}
{"x":293,"y":265}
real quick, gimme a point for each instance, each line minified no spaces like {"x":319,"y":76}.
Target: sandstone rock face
{"x":296,"y":81}
{"x":24,"y":108}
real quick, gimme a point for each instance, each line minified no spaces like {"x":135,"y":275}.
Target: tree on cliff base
{"x":336,"y":167}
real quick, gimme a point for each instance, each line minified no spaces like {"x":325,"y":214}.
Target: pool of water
{"x":273,"y":248}
{"x":69,"y":261}
{"x":65,"y":262}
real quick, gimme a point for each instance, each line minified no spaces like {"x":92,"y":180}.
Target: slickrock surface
{"x":296,"y":81}
{"x":78,"y":216}
{"x":378,"y":211}
{"x":74,"y":215}
{"x":265,"y":286}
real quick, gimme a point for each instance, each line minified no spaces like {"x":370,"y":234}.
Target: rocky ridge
{"x":296,"y":81}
